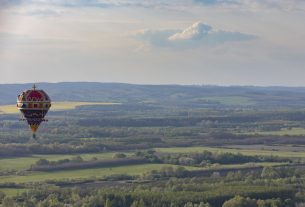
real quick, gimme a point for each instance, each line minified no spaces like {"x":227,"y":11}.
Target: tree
{"x":202,"y":204}
{"x":189,"y":204}
{"x":42,"y":162}
{"x":28,"y":203}
{"x":141,"y":203}
{"x":239,"y":201}
{"x":134,"y":204}
{"x":137,"y":203}
{"x":108,"y":203}
{"x":119,"y":155}
{"x":215,"y":175}
{"x":77,"y":159}
{"x":269,"y":172}
{"x":2,"y":196}
{"x":8,"y":202}
{"x":186,"y":161}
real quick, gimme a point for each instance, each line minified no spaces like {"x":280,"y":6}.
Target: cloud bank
{"x":196,"y":35}
{"x":110,"y":3}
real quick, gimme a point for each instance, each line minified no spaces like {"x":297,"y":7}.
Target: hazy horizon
{"x":152,"y":84}
{"x":192,"y":42}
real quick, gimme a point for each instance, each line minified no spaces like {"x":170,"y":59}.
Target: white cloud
{"x":195,"y":32}
{"x":198,"y":34}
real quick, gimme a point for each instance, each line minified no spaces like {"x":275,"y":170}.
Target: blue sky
{"x":221,"y":42}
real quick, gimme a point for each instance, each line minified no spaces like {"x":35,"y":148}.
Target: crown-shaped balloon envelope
{"x":34,"y":104}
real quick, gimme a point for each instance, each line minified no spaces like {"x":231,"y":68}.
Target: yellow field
{"x":56,"y":106}
{"x":8,"y":109}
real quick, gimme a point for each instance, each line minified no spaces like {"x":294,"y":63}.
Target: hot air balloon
{"x":34,"y":105}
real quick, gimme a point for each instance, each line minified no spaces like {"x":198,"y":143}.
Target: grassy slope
{"x":56,"y":106}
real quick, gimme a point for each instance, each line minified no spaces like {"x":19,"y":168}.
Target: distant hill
{"x":179,"y":95}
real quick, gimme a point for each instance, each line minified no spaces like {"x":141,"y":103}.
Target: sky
{"x":202,"y":42}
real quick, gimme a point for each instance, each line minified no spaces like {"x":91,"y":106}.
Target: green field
{"x":21,"y":163}
{"x":282,"y":132}
{"x":12,"y":191}
{"x":242,"y":151}
{"x":100,"y":172}
{"x":231,"y":100}
{"x":56,"y":106}
{"x":84,"y":173}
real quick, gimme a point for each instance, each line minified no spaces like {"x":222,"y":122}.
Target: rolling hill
{"x":179,"y":95}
